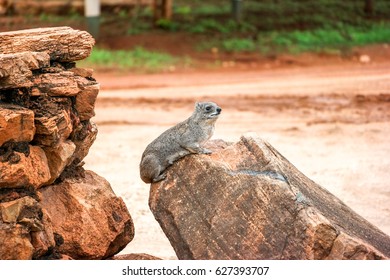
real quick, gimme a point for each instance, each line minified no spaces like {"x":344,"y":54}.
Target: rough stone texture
{"x":15,"y":242}
{"x":83,"y":72}
{"x":246,"y":201}
{"x":11,"y":210}
{"x":43,"y":240}
{"x":85,"y":102}
{"x":16,"y":68}
{"x":58,"y":158}
{"x":83,"y":138}
{"x":54,"y":120}
{"x":23,"y":171}
{"x":135,"y":257}
{"x":60,"y":43}
{"x":25,"y":229}
{"x":87,"y":203}
{"x":61,"y":84}
{"x":16,"y":124}
{"x":57,"y":84}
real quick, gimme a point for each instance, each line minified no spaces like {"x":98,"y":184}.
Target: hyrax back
{"x":184,"y":138}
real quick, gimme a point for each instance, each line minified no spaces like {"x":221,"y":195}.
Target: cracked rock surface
{"x":246,"y":201}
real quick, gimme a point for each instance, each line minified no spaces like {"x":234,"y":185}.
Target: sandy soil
{"x":332,"y":122}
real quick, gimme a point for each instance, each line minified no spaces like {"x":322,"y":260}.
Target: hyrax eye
{"x":208,"y":108}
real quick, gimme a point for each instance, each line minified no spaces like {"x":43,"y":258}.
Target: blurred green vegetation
{"x":323,"y":39}
{"x":266,"y":27}
{"x":137,"y":59}
{"x":276,"y":26}
{"x":271,"y":15}
{"x":298,"y":41}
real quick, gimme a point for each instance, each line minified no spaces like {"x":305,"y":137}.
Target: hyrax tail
{"x":150,"y":169}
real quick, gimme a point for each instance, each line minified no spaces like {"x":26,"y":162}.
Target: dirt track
{"x":331,"y":122}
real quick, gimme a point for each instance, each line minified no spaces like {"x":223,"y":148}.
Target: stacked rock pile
{"x":50,"y":207}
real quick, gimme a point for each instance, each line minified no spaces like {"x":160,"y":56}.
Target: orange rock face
{"x":29,"y":169}
{"x":16,"y":124}
{"x":93,"y":222}
{"x":25,"y":229}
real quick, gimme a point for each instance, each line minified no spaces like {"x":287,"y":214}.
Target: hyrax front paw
{"x":206,"y":151}
{"x":160,"y":178}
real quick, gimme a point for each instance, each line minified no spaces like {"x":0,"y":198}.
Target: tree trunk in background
{"x":162,"y":9}
{"x":369,"y":7}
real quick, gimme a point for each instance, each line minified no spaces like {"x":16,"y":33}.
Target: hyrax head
{"x":207,"y":110}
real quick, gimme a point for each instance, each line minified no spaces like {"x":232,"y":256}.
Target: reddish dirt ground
{"x":331,"y":121}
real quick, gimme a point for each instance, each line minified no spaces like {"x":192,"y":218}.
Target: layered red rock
{"x":54,"y":120}
{"x":25,"y":229}
{"x":16,"y":124}
{"x":15,"y":242}
{"x":46,"y":104}
{"x":58,"y":158}
{"x":16,"y":68}
{"x":85,"y":102}
{"x":24,"y":169}
{"x":83,"y":138}
{"x":246,"y":201}
{"x":87,"y":203}
{"x":60,"y":43}
{"x":62,"y":84}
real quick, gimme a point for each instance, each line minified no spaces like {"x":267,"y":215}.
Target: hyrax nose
{"x":219,"y":110}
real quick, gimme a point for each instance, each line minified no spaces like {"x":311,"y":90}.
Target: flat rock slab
{"x":60,"y":43}
{"x":246,"y":201}
{"x":16,"y":68}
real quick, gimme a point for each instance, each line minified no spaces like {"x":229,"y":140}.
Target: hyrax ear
{"x":198,"y":105}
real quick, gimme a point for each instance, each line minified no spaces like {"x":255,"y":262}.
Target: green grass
{"x":213,"y":26}
{"x":238,"y":45}
{"x":49,"y":18}
{"x":318,"y":40}
{"x":137,"y":59}
{"x":298,"y":41}
{"x":270,"y":15}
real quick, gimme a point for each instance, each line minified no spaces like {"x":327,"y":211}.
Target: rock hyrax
{"x":178,"y":141}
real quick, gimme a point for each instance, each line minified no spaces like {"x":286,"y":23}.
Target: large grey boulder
{"x":246,"y":201}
